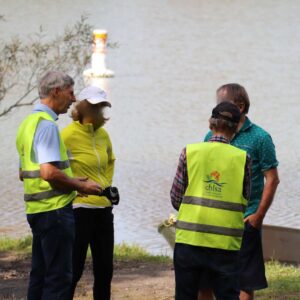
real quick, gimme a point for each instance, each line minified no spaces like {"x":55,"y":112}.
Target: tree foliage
{"x":23,"y":62}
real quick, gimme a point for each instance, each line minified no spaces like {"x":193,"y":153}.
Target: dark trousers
{"x":52,"y":246}
{"x":251,"y":261}
{"x":94,"y":228}
{"x":201,"y":267}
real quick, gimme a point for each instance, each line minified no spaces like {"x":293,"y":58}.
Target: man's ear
{"x":241,"y":107}
{"x":54,"y":92}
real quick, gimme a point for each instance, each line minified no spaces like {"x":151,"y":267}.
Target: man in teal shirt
{"x":259,"y":145}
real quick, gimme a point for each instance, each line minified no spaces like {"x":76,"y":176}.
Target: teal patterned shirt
{"x":259,"y":145}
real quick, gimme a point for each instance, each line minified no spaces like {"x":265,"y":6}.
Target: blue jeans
{"x":205,"y":268}
{"x":52,"y":245}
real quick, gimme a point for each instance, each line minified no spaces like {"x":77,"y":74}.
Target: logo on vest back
{"x":213,"y":185}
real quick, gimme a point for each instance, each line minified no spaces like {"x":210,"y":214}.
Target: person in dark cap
{"x":211,"y":190}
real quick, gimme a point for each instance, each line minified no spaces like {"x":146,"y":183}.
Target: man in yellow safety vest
{"x":49,"y":189}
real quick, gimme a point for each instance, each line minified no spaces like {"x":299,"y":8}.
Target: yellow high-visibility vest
{"x":39,"y":196}
{"x":211,"y":212}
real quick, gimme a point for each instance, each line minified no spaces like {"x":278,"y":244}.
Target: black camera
{"x":112,"y":194}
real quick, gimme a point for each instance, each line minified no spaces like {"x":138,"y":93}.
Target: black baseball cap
{"x":226,"y":111}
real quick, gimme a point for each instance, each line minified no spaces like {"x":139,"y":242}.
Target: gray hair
{"x":52,"y":80}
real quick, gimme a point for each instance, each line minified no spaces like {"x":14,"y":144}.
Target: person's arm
{"x":60,"y":181}
{"x":271,"y":183}
{"x":110,"y":163}
{"x":268,"y":163}
{"x":47,"y":152}
{"x":180,"y":181}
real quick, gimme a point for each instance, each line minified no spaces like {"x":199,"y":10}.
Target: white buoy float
{"x":98,"y":66}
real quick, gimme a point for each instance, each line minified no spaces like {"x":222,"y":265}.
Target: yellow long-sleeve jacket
{"x":91,"y":155}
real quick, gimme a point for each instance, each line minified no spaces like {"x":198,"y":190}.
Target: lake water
{"x":172,"y":56}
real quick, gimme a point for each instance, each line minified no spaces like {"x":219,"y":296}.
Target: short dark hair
{"x":236,"y":93}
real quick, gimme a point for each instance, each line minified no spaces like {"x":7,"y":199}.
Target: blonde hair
{"x":76,"y":113}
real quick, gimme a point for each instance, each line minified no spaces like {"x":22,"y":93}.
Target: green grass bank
{"x":284,"y":280}
{"x":122,"y":252}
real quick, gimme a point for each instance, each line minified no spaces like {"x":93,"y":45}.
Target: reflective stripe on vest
{"x":211,"y":212}
{"x":36,"y":174}
{"x":42,"y":195}
{"x":38,"y":193}
{"x":209,"y":229}
{"x":214,"y":203}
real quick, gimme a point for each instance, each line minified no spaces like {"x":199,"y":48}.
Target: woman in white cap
{"x":91,"y":156}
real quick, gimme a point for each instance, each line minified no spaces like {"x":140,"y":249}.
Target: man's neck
{"x":242,"y":121}
{"x":50,"y":103}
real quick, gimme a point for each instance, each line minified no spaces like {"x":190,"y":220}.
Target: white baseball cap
{"x":93,"y":95}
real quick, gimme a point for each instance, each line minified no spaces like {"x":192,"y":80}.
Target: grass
{"x":134,"y":252}
{"x":122,"y":252}
{"x":18,"y":245}
{"x":284,"y":280}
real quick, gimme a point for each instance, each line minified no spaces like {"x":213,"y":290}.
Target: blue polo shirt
{"x":46,"y":138}
{"x":259,"y":145}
